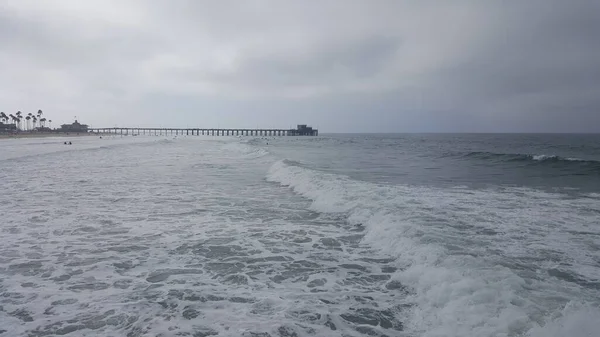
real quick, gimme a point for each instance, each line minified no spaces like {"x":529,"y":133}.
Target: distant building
{"x":7,"y":127}
{"x":303,"y":130}
{"x":74,"y":127}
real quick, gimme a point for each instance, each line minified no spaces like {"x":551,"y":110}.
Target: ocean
{"x":338,"y":235}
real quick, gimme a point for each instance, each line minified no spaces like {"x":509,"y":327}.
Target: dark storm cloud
{"x":345,"y":65}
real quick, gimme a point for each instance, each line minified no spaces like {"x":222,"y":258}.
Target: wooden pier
{"x":302,"y":130}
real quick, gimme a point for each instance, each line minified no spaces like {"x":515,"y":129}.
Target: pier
{"x":302,"y":130}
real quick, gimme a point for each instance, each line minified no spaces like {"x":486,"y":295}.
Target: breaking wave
{"x":246,"y":150}
{"x":528,"y":157}
{"x":466,"y":257}
{"x":574,"y":166}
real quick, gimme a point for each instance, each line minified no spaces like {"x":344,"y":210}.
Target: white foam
{"x":542,"y":157}
{"x":127,"y":215}
{"x":576,"y":319}
{"x":128,"y":236}
{"x":245,"y":150}
{"x":454,"y":246}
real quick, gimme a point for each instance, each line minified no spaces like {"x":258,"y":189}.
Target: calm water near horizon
{"x":337,"y":235}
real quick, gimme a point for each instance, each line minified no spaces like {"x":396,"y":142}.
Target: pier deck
{"x":302,"y":130}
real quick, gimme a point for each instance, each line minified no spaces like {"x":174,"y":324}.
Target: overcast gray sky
{"x":340,"y":65}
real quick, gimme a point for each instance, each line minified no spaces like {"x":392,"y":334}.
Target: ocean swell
{"x":533,"y":158}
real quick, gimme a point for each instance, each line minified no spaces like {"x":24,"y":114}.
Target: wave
{"x":257,"y":154}
{"x":441,"y":239}
{"x":518,"y":157}
{"x":247,"y":151}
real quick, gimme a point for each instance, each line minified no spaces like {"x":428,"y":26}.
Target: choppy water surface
{"x":328,"y":236}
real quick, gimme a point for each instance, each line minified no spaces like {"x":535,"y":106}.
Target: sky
{"x":338,"y":65}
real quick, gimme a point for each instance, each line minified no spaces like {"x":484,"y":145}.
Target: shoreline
{"x":46,"y":135}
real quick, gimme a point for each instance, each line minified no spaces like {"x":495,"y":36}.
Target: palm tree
{"x":50,"y":123}
{"x":39,"y":113}
{"x":34,"y":121}
{"x":28,"y":118}
{"x":16,"y":120}
{"x":43,"y":122}
{"x":19,"y":119}
{"x":4,"y":117}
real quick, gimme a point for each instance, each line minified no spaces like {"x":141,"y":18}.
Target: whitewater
{"x":343,"y":235}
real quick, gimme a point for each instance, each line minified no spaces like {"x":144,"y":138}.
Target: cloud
{"x":384,"y":65}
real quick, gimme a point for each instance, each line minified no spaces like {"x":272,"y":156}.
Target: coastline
{"x":46,"y":135}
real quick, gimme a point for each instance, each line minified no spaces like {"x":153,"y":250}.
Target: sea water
{"x":338,"y":235}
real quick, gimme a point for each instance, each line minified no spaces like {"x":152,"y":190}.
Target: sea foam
{"x":461,"y":252}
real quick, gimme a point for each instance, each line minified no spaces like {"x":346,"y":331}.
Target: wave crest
{"x":532,"y":158}
{"x":446,"y":270}
{"x":246,"y":150}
